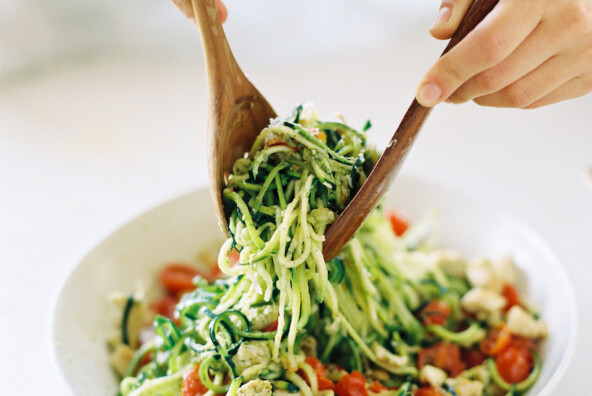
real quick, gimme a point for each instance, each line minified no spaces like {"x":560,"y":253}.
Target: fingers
{"x":574,"y":88}
{"x":187,"y":9}
{"x":535,"y":85}
{"x":449,"y":16}
{"x":532,"y":53}
{"x":222,"y":10}
{"x":494,"y":39}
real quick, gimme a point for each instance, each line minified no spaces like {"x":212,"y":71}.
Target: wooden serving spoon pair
{"x":238,"y":113}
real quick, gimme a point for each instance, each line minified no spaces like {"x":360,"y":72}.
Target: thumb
{"x":187,"y":9}
{"x":449,"y":16}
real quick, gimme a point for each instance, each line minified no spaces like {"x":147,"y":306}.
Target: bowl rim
{"x":83,"y":251}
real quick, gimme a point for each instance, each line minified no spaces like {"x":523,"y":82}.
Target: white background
{"x":102,"y":117}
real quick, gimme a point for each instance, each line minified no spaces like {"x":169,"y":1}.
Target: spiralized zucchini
{"x":361,"y":310}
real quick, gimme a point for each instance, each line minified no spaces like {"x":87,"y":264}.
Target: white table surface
{"x":90,"y":144}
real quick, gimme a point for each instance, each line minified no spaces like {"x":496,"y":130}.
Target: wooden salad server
{"x":237,"y":111}
{"x":370,"y":194}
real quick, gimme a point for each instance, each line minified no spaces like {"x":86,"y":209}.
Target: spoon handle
{"x":344,"y":228}
{"x":225,"y":78}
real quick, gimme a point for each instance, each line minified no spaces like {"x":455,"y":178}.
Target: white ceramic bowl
{"x":181,"y":228}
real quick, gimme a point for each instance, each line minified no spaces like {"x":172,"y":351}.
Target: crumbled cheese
{"x":256,"y":387}
{"x":507,"y":270}
{"x":479,"y":299}
{"x":465,"y":387}
{"x":481,"y":273}
{"x":486,"y":304}
{"x":121,"y":357}
{"x":522,"y":324}
{"x":414,"y":265}
{"x":432,"y":375}
{"x":451,"y":262}
{"x":252,"y":357}
{"x":308,"y":115}
{"x":262,"y":316}
{"x":385,"y":356}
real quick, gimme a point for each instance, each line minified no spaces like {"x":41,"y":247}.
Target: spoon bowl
{"x":237,"y":111}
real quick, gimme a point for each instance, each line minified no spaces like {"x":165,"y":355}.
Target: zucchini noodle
{"x":364,"y":310}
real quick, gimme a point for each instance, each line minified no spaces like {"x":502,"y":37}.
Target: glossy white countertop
{"x":92,"y":142}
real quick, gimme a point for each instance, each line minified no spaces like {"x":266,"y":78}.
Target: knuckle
{"x":495,"y":47}
{"x":576,"y":18}
{"x":517,"y":96}
{"x":451,"y":73}
{"x":492,"y":79}
{"x":460,"y":96}
{"x":454,"y":98}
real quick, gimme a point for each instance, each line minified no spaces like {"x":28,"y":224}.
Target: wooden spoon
{"x":369,"y":195}
{"x":237,"y":111}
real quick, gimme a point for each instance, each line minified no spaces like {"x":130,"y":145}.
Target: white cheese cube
{"x":483,"y":300}
{"x":465,"y":387}
{"x":506,"y":270}
{"x":521,"y":323}
{"x":252,"y":356}
{"x":451,"y":262}
{"x":481,"y":273}
{"x":256,"y":387}
{"x":432,"y":375}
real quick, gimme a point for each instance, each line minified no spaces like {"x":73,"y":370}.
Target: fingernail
{"x":429,"y":94}
{"x":443,"y":16}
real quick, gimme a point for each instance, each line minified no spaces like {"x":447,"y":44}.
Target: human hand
{"x":524,"y":54}
{"x":187,"y":9}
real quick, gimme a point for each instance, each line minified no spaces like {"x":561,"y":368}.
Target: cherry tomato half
{"x":353,"y":384}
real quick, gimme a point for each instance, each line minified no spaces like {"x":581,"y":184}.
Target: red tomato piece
{"x":443,"y":355}
{"x":323,"y":382}
{"x":472,"y":358}
{"x":271,"y":327}
{"x":436,"y":312}
{"x":511,"y":295}
{"x":275,"y":141}
{"x":233,"y":256}
{"x":514,"y":364}
{"x":165,"y":306}
{"x":192,"y":385}
{"x":176,"y":277}
{"x":398,"y":224}
{"x":428,"y":391}
{"x":353,"y":384}
{"x":377,"y":387}
{"x":147,"y":358}
{"x":497,"y":340}
{"x":524,"y":344}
